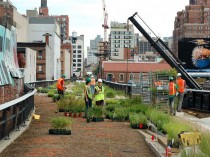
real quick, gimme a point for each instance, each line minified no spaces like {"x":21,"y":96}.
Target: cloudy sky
{"x":86,"y":16}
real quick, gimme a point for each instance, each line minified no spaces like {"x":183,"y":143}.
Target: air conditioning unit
{"x":39,"y":57}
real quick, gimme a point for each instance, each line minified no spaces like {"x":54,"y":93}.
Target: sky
{"x":86,"y":16}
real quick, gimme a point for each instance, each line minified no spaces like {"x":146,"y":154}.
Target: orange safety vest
{"x":172,"y":89}
{"x":181,"y":85}
{"x":60,"y":84}
{"x":93,"y":82}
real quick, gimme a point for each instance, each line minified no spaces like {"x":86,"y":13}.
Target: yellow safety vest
{"x":99,"y":96}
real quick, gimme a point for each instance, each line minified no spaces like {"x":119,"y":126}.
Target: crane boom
{"x":165,"y":52}
{"x":105,"y":16}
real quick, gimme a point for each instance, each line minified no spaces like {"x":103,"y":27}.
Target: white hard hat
{"x":178,"y":74}
{"x":100,"y":80}
{"x":92,"y":76}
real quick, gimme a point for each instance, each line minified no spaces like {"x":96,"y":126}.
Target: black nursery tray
{"x":99,"y":119}
{"x":59,"y":132}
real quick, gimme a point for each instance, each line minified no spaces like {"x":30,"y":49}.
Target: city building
{"x":11,"y":79}
{"x":121,"y":37}
{"x":43,"y":9}
{"x":193,"y":22}
{"x":63,"y":21}
{"x":46,"y":29}
{"x":26,"y":56}
{"x":122,"y":72}
{"x":66,"y":58}
{"x":78,"y":54}
{"x":93,"y":49}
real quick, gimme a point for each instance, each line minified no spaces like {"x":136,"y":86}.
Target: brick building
{"x":11,"y":84}
{"x":123,"y":71}
{"x":193,"y":22}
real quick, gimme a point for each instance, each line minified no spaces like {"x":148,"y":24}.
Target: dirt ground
{"x":95,"y":139}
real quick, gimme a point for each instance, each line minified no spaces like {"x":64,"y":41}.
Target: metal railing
{"x":197,"y":100}
{"x":118,"y":86}
{"x":15,"y":113}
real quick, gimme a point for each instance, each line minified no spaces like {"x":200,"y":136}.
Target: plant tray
{"x":136,"y":126}
{"x":61,"y":110}
{"x":99,"y":119}
{"x":59,"y":132}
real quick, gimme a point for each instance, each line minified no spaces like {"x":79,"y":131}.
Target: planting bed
{"x":104,"y":139}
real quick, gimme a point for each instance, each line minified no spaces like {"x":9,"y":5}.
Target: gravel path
{"x":95,"y":139}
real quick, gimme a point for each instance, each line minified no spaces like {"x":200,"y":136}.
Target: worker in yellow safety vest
{"x":172,"y":87}
{"x":99,"y":93}
{"x":181,"y":90}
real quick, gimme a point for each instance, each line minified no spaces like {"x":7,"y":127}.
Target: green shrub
{"x":111,"y":107}
{"x":61,"y":123}
{"x":97,"y":111}
{"x":110,"y":94}
{"x":111,"y":101}
{"x":137,"y":118}
{"x":121,"y":113}
{"x":205,"y":144}
{"x":51,"y":93}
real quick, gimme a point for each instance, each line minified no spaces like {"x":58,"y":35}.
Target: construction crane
{"x":105,"y":16}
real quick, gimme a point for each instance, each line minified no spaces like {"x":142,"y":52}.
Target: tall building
{"x":43,"y":10}
{"x":63,"y":21}
{"x":91,"y":58}
{"x":193,"y":22}
{"x":46,"y":29}
{"x":121,"y":37}
{"x":78,"y":54}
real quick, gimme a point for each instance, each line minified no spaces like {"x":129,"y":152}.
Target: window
{"x":79,"y":65}
{"x":131,"y":76}
{"x":39,"y":68}
{"x":74,"y":60}
{"x":79,"y":60}
{"x":79,"y":46}
{"x":74,"y":65}
{"x":40,"y":55}
{"x":74,"y":56}
{"x":79,"y":51}
{"x":79,"y":56}
{"x":74,"y":51}
{"x":121,"y":78}
{"x":74,"y":46}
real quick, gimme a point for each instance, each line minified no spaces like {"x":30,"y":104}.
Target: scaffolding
{"x":146,"y":87}
{"x":161,"y":85}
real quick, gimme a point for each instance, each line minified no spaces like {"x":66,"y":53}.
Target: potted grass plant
{"x":98,"y":113}
{"x":60,"y":126}
{"x":138,"y":120}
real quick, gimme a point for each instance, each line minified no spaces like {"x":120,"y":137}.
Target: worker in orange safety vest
{"x":181,"y":90}
{"x":172,"y":87}
{"x":61,"y":86}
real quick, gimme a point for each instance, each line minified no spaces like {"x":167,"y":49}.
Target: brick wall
{"x":10,"y":92}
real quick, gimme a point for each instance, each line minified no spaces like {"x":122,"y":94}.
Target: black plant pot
{"x":98,"y":119}
{"x":88,"y":120}
{"x":59,"y":132}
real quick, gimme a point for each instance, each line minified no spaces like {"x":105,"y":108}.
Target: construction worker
{"x":172,"y":87}
{"x":99,"y":93}
{"x":92,"y":84}
{"x":88,"y":95}
{"x":61,"y":86}
{"x":181,"y":89}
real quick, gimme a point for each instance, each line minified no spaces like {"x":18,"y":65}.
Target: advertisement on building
{"x":195,"y":53}
{"x":8,"y":56}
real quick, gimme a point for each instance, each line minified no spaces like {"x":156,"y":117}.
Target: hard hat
{"x":171,"y":78}
{"x":88,"y":79}
{"x":178,"y":74}
{"x":100,"y":80}
{"x":92,"y":76}
{"x":64,"y":75}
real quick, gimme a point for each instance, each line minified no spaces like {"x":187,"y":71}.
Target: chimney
{"x":47,"y":38}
